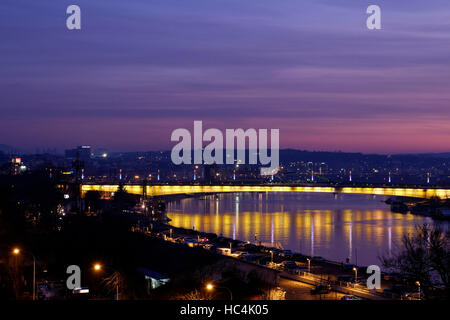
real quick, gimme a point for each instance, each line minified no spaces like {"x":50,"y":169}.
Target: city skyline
{"x":137,"y":71}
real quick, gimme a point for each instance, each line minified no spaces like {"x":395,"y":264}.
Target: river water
{"x":359,"y":228}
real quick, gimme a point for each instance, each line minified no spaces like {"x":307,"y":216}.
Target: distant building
{"x":153,"y":279}
{"x":82,"y":152}
{"x":17,"y":166}
{"x":210,"y":173}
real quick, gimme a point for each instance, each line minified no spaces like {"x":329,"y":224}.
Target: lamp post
{"x":309,"y":264}
{"x":418,"y":284}
{"x":356,"y":274}
{"x":271,"y":256}
{"x":211,"y":287}
{"x":16,"y":252}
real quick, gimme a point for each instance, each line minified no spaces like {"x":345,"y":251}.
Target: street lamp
{"x":309,"y":264}
{"x":16,"y":252}
{"x":356,"y":274}
{"x":210,"y":287}
{"x":418,"y":284}
{"x":98,"y":267}
{"x":271,"y":256}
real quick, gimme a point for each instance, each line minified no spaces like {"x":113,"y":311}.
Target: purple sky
{"x":139,"y":69}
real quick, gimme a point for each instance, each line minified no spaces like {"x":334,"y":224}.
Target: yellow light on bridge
{"x":177,"y":189}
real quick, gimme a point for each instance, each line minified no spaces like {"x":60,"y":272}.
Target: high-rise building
{"x":82,"y":153}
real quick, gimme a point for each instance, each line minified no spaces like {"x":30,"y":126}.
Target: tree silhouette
{"x":425,"y":257}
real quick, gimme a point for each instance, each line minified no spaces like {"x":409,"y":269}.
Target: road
{"x":311,"y":280}
{"x":296,"y":290}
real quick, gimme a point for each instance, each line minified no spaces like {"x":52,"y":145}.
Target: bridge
{"x":163,"y":190}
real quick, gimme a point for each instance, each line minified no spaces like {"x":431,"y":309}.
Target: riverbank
{"x":435,"y":208}
{"x":360,"y":226}
{"x":314,"y":271}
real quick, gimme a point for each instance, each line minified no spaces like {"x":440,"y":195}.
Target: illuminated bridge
{"x":162,"y":190}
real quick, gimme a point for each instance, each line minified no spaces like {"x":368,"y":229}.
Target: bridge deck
{"x":159,"y":190}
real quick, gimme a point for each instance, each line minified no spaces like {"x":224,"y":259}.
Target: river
{"x":359,"y":228}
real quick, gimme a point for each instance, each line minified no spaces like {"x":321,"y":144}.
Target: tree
{"x":93,"y":200}
{"x":194,"y":295}
{"x":122,"y":199}
{"x":114,"y":283}
{"x":425,"y":257}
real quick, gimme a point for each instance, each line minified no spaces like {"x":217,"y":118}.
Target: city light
{"x":211,"y":287}
{"x":97,"y":267}
{"x":170,"y":189}
{"x":418,"y":285}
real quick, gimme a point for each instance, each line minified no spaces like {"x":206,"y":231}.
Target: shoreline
{"x":260,"y":244}
{"x":274,"y":245}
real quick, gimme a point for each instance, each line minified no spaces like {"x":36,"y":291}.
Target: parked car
{"x":286,"y":253}
{"x":350,"y":297}
{"x":190,"y":242}
{"x":288,"y":265}
{"x":208,"y":246}
{"x":411,"y":296}
{"x":277,"y":251}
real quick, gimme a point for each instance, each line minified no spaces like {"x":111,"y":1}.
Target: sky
{"x":139,"y":69}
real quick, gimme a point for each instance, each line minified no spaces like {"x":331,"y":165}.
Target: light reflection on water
{"x":336,"y":227}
